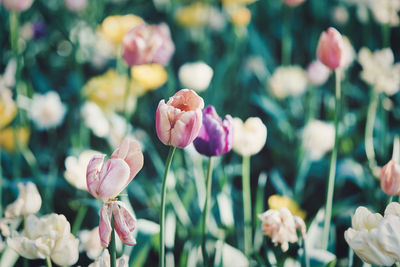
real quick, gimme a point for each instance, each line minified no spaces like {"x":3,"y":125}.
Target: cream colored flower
{"x":75,"y":168}
{"x":46,"y":111}
{"x":104,"y":260}
{"x":90,"y":242}
{"x":195,"y":75}
{"x":386,"y":11}
{"x":379,"y":70}
{"x":48,"y":236}
{"x":288,"y":81}
{"x":376,"y":239}
{"x":281,"y":226}
{"x":27,"y":203}
{"x":95,"y":119}
{"x":318,"y":138}
{"x":249,"y":137}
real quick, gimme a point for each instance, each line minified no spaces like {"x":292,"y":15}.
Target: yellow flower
{"x":7,"y":138}
{"x":239,"y":15}
{"x":277,"y":202}
{"x":115,"y":27}
{"x":108,"y":91}
{"x":194,"y":15}
{"x":8,"y":108}
{"x":149,"y":76}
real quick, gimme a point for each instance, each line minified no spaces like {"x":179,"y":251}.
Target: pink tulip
{"x":145,"y":44}
{"x":124,"y":223}
{"x":293,"y":2}
{"x":330,"y":48}
{"x":17,"y":5}
{"x":105,"y":181}
{"x":390,"y":178}
{"x":179,"y":120}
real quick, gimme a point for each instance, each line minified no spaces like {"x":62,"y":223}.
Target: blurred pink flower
{"x":390,"y":178}
{"x":105,"y":181}
{"x":179,"y":120}
{"x":330,"y":48}
{"x":17,"y":5}
{"x":76,"y":5}
{"x":317,"y":73}
{"x":124,"y":223}
{"x":145,"y":44}
{"x":293,"y":2}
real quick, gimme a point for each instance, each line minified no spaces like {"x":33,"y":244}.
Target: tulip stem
{"x":286,"y":37}
{"x":369,"y":132}
{"x":79,"y":218}
{"x":126,"y":98}
{"x":162,"y":214}
{"x":246,"y":204}
{"x":111,"y":248}
{"x":206,"y":209}
{"x":332,"y":167}
{"x":48,"y":262}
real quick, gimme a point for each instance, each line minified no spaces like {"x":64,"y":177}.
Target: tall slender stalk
{"x":386,"y":35}
{"x":332,"y":167}
{"x":162,"y":214}
{"x":246,"y":205}
{"x":369,"y":131}
{"x":206,"y":209}
{"x":48,"y":262}
{"x":112,"y":249}
{"x":286,"y":37}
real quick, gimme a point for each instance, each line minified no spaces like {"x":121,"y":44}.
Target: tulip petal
{"x":105,"y":225}
{"x":114,"y":177}
{"x":124,"y":223}
{"x":65,"y":251}
{"x":92,"y":174}
{"x":186,"y":129}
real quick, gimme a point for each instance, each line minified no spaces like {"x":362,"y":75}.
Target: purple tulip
{"x":39,"y":30}
{"x":215,"y":136}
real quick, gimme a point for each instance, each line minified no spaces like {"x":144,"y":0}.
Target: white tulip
{"x":288,"y":81}
{"x":195,"y":75}
{"x":318,"y":137}
{"x":385,"y":11}
{"x":90,"y":242}
{"x":249,"y":137}
{"x":27,"y":203}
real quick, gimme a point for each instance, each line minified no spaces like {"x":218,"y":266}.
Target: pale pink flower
{"x":330,"y":48}
{"x":293,"y":3}
{"x":17,"y":5}
{"x":390,"y":178}
{"x":179,"y":120}
{"x":76,"y":5}
{"x":317,"y":73}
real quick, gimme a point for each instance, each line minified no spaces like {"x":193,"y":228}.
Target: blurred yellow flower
{"x":277,"y":202}
{"x":7,"y":138}
{"x":8,"y":108}
{"x":108,"y":92}
{"x":239,"y":15}
{"x":237,"y":2}
{"x":194,"y":15}
{"x":149,"y":76}
{"x":115,"y":27}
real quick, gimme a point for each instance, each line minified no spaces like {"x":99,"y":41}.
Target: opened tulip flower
{"x":330,"y":48}
{"x":178,"y":121}
{"x":250,"y":136}
{"x":145,"y":44}
{"x":390,"y":178}
{"x":216,"y":135}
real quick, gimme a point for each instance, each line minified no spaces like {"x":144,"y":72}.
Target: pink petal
{"x":92,"y":174}
{"x":186,"y":129}
{"x":124,"y":223}
{"x":105,"y":225}
{"x":114,"y":177}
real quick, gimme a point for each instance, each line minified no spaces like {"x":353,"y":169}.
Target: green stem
{"x":126,"y":110}
{"x":112,"y":249}
{"x":386,"y":35}
{"x":369,"y":131}
{"x":305,"y":255}
{"x":79,"y":219}
{"x":206,"y":209}
{"x":286,"y":37}
{"x":246,"y":205}
{"x":48,"y":262}
{"x":162,"y":214}
{"x":332,"y":167}
{"x":1,"y":187}
{"x":390,"y":199}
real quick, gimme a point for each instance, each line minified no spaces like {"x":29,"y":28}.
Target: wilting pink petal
{"x":92,"y":174}
{"x":114,"y":178}
{"x":105,"y":224}
{"x":330,"y":48}
{"x":124,"y":223}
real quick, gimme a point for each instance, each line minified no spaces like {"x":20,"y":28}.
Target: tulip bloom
{"x":17,"y":5}
{"x":27,"y":203}
{"x":390,"y":178}
{"x":106,"y":181}
{"x":330,"y":48}
{"x":215,"y":136}
{"x":250,"y":136}
{"x":145,"y":44}
{"x":178,"y":121}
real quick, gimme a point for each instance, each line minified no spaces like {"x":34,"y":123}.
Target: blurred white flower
{"x":249,"y":137}
{"x":233,"y":257}
{"x":76,"y":5}
{"x":48,"y":236}
{"x":281,"y":226}
{"x":104,"y":260}
{"x":376,"y":239}
{"x":195,"y":75}
{"x":379,"y":70}
{"x":340,"y":15}
{"x":362,"y":7}
{"x":27,"y":203}
{"x":118,"y":129}
{"x":318,"y":137}
{"x":348,"y":55}
{"x":288,"y":81}
{"x":318,"y":73}
{"x":7,"y":80}
{"x":90,"y":242}
{"x":147,"y":227}
{"x":46,"y":111}
{"x":386,"y":11}
{"x":216,"y":19}
{"x":75,"y":168}
{"x":95,"y":119}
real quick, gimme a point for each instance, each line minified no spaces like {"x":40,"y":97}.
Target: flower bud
{"x":17,"y":5}
{"x":390,"y":178}
{"x":330,"y":48}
